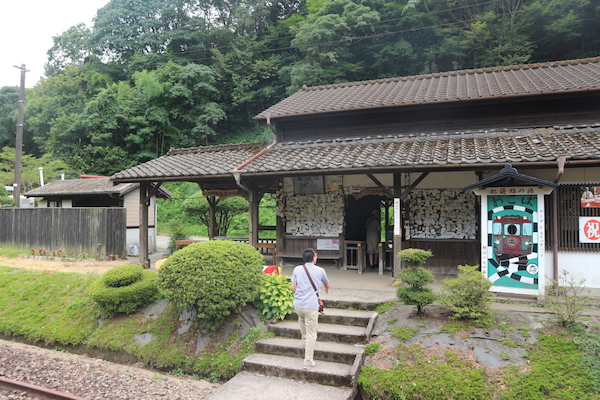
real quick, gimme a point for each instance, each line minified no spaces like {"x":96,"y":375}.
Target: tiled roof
{"x":197,"y":161}
{"x":446,"y":150}
{"x":486,"y":83}
{"x":89,"y":186}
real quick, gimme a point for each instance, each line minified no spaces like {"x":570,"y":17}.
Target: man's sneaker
{"x":310,"y":366}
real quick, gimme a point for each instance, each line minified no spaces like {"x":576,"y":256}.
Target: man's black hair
{"x":308,"y":255}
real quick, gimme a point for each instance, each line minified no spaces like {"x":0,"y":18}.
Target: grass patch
{"x":403,"y":333}
{"x":555,"y":372}
{"x":414,"y":377}
{"x":54,"y":308}
{"x":372,"y":348}
{"x":382,"y":308}
{"x":11,"y":252}
{"x":45,"y":307}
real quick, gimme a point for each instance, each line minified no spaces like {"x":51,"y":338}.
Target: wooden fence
{"x":98,"y":232}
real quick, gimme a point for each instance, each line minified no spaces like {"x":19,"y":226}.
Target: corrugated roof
{"x":485,"y":83}
{"x":441,"y":149}
{"x":88,"y":186}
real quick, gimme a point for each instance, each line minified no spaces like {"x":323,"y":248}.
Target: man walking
{"x":306,"y":300}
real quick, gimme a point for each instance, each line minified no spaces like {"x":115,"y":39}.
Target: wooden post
{"x":212,"y":204}
{"x":144,"y":205}
{"x":253,"y":200}
{"x":397,"y":245}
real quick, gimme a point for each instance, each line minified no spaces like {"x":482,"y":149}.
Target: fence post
{"x":99,"y":252}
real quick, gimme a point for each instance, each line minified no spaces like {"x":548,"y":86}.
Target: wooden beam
{"x":389,"y":194}
{"x":408,"y":190}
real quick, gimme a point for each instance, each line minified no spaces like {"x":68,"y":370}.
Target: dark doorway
{"x":357,"y":214}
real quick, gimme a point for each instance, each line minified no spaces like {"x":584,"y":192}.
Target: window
{"x":569,"y":211}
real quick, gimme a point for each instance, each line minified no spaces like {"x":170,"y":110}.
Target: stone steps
{"x":326,"y":332}
{"x":324,"y":351}
{"x":278,"y":362}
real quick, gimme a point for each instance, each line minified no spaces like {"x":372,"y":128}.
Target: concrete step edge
{"x":327,"y":373}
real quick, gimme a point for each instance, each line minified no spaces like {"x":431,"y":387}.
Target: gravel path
{"x":91,"y":378}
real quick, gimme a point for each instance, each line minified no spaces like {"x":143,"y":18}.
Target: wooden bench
{"x":336,"y":258}
{"x":187,"y":242}
{"x":270,"y":247}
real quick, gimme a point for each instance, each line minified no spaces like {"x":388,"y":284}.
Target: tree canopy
{"x":156,"y":74}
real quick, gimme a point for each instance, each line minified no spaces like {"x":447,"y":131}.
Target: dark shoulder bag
{"x":321,"y":308}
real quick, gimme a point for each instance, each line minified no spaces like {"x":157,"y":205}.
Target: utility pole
{"x":19,"y":141}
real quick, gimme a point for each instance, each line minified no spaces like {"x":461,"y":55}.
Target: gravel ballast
{"x":92,"y":378}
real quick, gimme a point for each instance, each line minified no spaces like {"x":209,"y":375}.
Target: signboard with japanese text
{"x":589,"y":229}
{"x":309,"y":185}
{"x":513,"y":241}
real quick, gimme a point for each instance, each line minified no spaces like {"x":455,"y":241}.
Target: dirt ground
{"x":83,"y":266}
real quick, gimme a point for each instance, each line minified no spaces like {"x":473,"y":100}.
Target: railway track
{"x":36,"y":392}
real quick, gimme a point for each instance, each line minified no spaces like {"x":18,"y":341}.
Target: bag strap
{"x":311,"y":281}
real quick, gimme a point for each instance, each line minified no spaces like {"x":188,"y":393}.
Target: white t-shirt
{"x":305,"y":296}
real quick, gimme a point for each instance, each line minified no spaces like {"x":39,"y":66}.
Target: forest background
{"x":152,"y":75}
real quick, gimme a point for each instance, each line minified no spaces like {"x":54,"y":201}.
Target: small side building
{"x":101,"y":192}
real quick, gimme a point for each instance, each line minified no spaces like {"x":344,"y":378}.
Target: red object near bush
{"x":272,"y":270}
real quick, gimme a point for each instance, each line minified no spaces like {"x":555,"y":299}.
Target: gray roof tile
{"x":483,"y":83}
{"x":447,"y":148}
{"x":87,"y":186}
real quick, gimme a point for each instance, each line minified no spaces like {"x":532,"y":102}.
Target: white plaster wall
{"x":584,"y":265}
{"x":571,"y":174}
{"x":133,"y":238}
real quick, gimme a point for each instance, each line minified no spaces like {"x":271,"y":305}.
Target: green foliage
{"x":275,"y":298}
{"x":215,"y":278}
{"x":555,"y":371}
{"x":416,"y":293}
{"x":414,"y":377}
{"x":48,"y":308}
{"x":10,"y":252}
{"x":225,"y":211}
{"x":372,"y":348}
{"x":29,"y":166}
{"x":588,"y":343}
{"x":179,"y":233}
{"x":403,"y":333}
{"x":564,"y":298}
{"x":4,"y":199}
{"x":414,"y":257}
{"x":382,"y":308}
{"x":123,"y":276}
{"x":125,"y":290}
{"x":468,"y":295}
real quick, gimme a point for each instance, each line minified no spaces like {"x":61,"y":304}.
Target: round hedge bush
{"x":215,"y":278}
{"x":124,"y":299}
{"x":123,"y":276}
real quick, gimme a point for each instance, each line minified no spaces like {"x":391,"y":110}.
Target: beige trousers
{"x":309,"y":321}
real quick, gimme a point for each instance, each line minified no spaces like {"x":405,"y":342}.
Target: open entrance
{"x":358,"y":213}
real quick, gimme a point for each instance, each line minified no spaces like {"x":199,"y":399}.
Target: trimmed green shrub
{"x":215,"y":278}
{"x":124,"y":299}
{"x":123,"y":276}
{"x":468,"y":295}
{"x":276,"y":298}
{"x":416,"y":294}
{"x":414,"y":257}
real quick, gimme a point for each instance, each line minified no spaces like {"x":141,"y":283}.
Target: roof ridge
{"x":440,"y":135}
{"x":517,"y":67}
{"x":214,"y":147}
